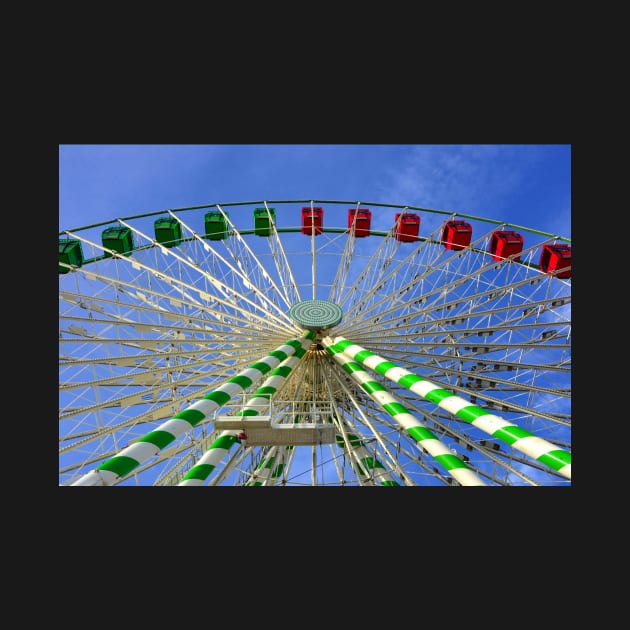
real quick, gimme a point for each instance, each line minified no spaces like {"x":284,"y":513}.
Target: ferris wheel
{"x":313,"y":342}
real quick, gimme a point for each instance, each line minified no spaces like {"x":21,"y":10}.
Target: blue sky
{"x":527,"y":185}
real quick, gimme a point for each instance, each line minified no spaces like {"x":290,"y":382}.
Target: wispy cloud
{"x":479,"y":180}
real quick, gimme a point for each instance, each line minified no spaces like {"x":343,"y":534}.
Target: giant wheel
{"x":312,"y":342}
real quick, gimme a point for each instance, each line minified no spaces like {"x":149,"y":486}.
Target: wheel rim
{"x":265,"y":355}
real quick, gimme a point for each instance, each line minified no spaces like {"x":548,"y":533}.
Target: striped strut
{"x":258,"y":402}
{"x":152,"y":443}
{"x":365,"y":465}
{"x":269,"y":468}
{"x":511,"y":434}
{"x":418,"y":431}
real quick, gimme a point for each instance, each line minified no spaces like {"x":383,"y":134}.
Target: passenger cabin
{"x":362,"y":222}
{"x":554,"y":257}
{"x":70,"y":252}
{"x":216,"y":225}
{"x":263,"y":222}
{"x":456,"y":234}
{"x":505,"y":243}
{"x":312,"y":220}
{"x":168,"y":231}
{"x":119,"y":238}
{"x":408,"y":228}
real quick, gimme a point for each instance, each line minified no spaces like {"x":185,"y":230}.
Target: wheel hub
{"x":317,"y":315}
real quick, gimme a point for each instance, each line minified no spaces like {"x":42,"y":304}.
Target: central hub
{"x":316,"y":314}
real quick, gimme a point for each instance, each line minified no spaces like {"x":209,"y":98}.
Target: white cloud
{"x":469,"y":178}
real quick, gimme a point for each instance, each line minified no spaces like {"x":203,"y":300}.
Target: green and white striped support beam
{"x":418,"y":431}
{"x":215,"y":453}
{"x":366,"y":466}
{"x":511,"y":434}
{"x":269,"y":469}
{"x":258,"y":402}
{"x":152,"y":443}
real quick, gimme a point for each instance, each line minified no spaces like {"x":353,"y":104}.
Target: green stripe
{"x":192,"y":416}
{"x":390,"y":483}
{"x":258,"y":394}
{"x":372,"y":463}
{"x":242,"y":381}
{"x":471,"y":413}
{"x":511,"y":434}
{"x":279,"y":355}
{"x":310,"y":334}
{"x":353,"y":440}
{"x":269,"y":462}
{"x":556,"y":459}
{"x":342,"y":345}
{"x":158,"y":438}
{"x":261,"y":366}
{"x":395,"y":408}
{"x":351,"y":366}
{"x":282,"y":370}
{"x":363,"y":355}
{"x":264,"y":392}
{"x":438,"y":395}
{"x":450,"y":462}
{"x":410,"y":379}
{"x":333,"y":349}
{"x":247,"y":412}
{"x":119,"y":465}
{"x":372,"y":386}
{"x":224,"y":441}
{"x":295,"y":343}
{"x":299,"y":352}
{"x":201,"y":472}
{"x":384,"y":366}
{"x":218,"y":397}
{"x":420,"y":433}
